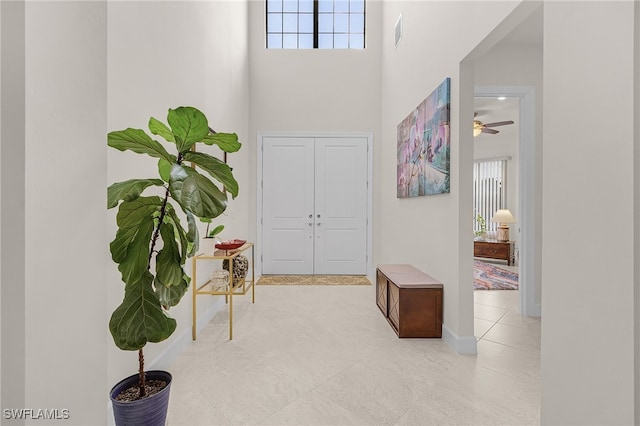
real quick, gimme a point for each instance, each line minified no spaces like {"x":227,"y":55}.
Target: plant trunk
{"x":154,"y":240}
{"x":141,"y":378}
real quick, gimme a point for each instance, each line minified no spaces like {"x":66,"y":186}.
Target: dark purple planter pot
{"x":151,"y":411}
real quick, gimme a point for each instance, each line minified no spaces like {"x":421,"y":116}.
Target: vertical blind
{"x":489,"y":190}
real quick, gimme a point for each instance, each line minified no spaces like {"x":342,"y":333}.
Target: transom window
{"x":315,"y":24}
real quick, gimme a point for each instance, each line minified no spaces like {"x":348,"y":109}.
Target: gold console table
{"x":230,"y":291}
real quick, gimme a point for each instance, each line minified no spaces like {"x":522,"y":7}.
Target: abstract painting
{"x":424,"y":146}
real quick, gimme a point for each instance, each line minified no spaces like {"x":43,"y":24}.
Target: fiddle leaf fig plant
{"x":151,"y":244}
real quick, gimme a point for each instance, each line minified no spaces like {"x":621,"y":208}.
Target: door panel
{"x":341,"y":206}
{"x":288,"y":200}
{"x":314,"y":205}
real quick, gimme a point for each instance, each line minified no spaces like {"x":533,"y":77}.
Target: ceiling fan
{"x":480,"y":127}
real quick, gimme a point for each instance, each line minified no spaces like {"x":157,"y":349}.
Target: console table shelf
{"x":231,"y":290}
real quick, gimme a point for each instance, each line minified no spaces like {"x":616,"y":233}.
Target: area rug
{"x":313,"y":280}
{"x":489,"y":277}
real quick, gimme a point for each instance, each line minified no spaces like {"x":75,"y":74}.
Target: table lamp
{"x":503,"y":218}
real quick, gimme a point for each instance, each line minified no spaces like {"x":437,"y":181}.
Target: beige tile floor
{"x":324,"y":355}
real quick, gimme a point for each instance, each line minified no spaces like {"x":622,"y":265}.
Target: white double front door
{"x":314,"y":205}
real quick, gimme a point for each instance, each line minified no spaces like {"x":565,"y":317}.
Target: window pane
{"x":290,"y":6}
{"x":325,"y":41}
{"x":357,"y":23}
{"x":274,"y":23}
{"x":325,"y":23}
{"x":341,"y":6}
{"x":356,"y":41}
{"x":306,"y":6}
{"x":340,"y":41}
{"x":289,"y":41}
{"x":274,"y":5}
{"x":290,"y":23}
{"x":357,"y":6}
{"x":341,"y":23}
{"x":305,"y":41}
{"x":325,"y":6}
{"x":305,"y":23}
{"x":274,"y":41}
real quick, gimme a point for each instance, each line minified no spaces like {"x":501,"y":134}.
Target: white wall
{"x":588,"y":299}
{"x":64,"y":238}
{"x":636,"y":248}
{"x":163,"y":55}
{"x":12,"y":281}
{"x":314,"y":90}
{"x":437,"y":37}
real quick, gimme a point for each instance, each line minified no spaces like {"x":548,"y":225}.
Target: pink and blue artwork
{"x":424,"y":146}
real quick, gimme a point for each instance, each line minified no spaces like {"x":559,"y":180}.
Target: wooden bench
{"x":410,"y":300}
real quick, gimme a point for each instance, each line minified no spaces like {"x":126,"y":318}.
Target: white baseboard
{"x":465,"y":345}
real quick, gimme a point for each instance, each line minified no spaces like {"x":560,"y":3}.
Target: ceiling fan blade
{"x":498,"y":123}
{"x":490,"y":131}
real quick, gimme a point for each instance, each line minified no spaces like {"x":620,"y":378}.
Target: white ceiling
{"x":528,"y":33}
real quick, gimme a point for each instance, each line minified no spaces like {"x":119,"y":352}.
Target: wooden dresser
{"x":495,"y":250}
{"x":410,"y":300}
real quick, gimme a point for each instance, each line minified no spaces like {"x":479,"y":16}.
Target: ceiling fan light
{"x":477,"y":127}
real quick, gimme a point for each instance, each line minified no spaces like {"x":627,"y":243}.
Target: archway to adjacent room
{"x":504,"y":84}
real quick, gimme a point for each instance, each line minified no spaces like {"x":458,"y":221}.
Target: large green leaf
{"x":168,"y":263}
{"x":196,"y":193}
{"x":129,"y":190}
{"x":193,"y":236}
{"x":185,"y":245}
{"x":138,"y":141}
{"x":171,"y":295}
{"x":188,"y":125}
{"x":157,"y":127}
{"x":216,"y":168}
{"x":164,"y":169}
{"x":228,"y":142}
{"x":140,"y":318}
{"x":131,"y":247}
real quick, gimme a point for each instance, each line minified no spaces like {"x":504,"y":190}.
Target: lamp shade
{"x":503,"y":216}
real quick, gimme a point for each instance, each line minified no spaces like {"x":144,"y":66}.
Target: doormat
{"x":489,"y":277}
{"x":313,"y":280}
